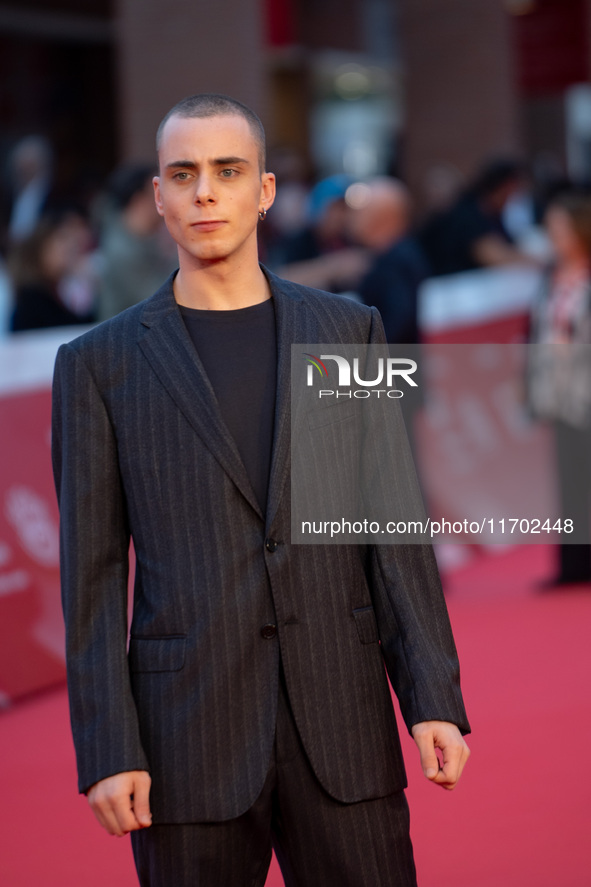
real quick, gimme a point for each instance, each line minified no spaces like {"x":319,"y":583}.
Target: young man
{"x":252,"y":708}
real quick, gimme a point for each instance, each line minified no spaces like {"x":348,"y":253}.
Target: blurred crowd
{"x":85,"y":259}
{"x":80,"y":258}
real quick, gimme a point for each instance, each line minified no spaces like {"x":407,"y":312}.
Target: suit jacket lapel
{"x":287,"y":302}
{"x":167,"y":346}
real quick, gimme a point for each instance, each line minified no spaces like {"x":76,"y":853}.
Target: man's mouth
{"x":211,"y":225}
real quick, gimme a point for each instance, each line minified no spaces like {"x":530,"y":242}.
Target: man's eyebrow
{"x":227,"y":161}
{"x":217,"y":161}
{"x":185,"y":164}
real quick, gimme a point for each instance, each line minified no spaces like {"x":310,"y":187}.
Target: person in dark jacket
{"x":471,"y":233}
{"x":382,"y":224}
{"x":250,"y":708}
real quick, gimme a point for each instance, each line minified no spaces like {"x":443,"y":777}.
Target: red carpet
{"x":520,"y":817}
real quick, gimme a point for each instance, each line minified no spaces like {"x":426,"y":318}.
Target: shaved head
{"x":216,"y":105}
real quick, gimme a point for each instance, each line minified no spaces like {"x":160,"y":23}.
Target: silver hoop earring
{"x":262,"y":214}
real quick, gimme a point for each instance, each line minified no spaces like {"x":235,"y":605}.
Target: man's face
{"x":210,"y":188}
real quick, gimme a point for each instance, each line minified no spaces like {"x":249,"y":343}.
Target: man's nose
{"x":204,"y":189}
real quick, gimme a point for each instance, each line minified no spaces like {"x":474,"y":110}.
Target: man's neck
{"x":220,"y":286}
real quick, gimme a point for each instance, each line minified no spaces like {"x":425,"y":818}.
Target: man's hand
{"x":430,"y":735}
{"x":121,"y":802}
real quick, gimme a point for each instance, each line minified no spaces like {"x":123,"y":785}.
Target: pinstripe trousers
{"x":319,"y":842}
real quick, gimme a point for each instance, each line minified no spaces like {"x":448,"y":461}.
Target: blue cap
{"x":326,"y":192}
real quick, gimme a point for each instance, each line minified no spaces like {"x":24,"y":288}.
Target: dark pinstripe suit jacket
{"x":140,"y":449}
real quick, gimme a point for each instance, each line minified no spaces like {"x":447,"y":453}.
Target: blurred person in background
{"x":326,"y":227}
{"x":289,"y":215}
{"x":471,"y":233}
{"x":381,"y":223}
{"x":560,"y":375}
{"x":136,"y":252}
{"x":51,"y":276}
{"x":30,"y":181}
{"x":322,"y":254}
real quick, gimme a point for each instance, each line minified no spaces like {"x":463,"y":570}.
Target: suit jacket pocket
{"x":157,"y":654}
{"x":367,"y":627}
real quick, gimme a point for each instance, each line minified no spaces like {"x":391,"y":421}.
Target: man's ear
{"x":267,"y":189}
{"x":157,"y":198}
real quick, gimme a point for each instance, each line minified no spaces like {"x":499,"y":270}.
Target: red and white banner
{"x":31,"y":626}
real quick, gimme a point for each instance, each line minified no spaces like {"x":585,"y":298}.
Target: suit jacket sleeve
{"x":415,"y":632}
{"x":94,"y":540}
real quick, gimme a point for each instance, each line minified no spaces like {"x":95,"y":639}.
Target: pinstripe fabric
{"x":140,"y":448}
{"x":353,"y":845}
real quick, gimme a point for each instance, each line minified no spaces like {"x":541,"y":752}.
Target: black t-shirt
{"x":238,"y":350}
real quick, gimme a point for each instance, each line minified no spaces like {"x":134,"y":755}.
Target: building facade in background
{"x":420,"y":88}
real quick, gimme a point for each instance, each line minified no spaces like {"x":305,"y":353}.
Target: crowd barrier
{"x":31,"y":628}
{"x":478,"y":452}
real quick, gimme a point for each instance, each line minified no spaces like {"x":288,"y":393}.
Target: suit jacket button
{"x":269,"y":631}
{"x":271,"y":545}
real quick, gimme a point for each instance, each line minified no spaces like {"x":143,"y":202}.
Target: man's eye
{"x":181,"y":176}
{"x":228,"y":173}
